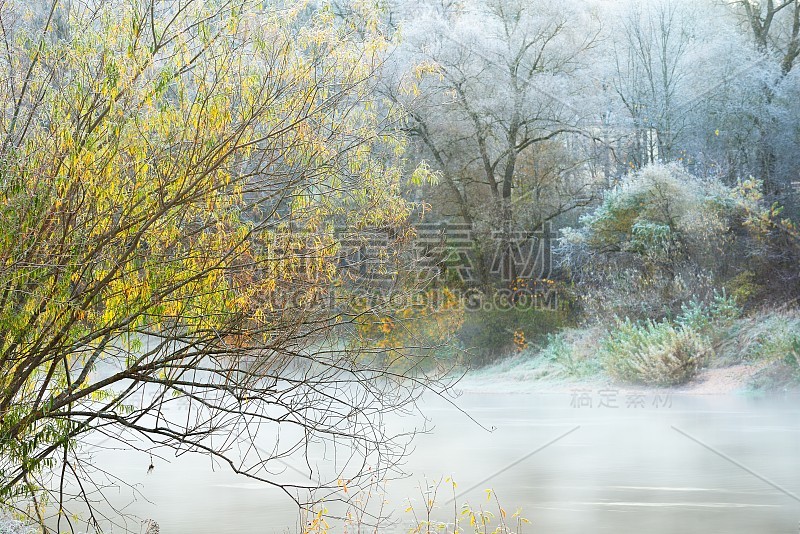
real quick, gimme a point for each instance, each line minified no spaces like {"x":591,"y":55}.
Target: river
{"x":574,"y":462}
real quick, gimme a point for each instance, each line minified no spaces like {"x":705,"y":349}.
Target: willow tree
{"x":171,"y":175}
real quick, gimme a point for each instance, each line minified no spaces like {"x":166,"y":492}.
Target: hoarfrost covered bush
{"x":707,"y":319}
{"x":770,"y":340}
{"x":666,"y":353}
{"x":574,"y":351}
{"x":660,"y":238}
{"x":657,"y":353}
{"x":767,"y":336}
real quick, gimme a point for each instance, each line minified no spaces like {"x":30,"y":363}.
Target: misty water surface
{"x":623,"y":470}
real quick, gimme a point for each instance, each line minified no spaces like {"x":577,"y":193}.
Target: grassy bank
{"x":672,"y":352}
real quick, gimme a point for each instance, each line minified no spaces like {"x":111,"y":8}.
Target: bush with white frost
{"x":667,"y":352}
{"x":660,"y":238}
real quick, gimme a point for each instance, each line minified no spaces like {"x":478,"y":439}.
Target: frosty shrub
{"x":668,"y":352}
{"x":708,"y":318}
{"x":660,"y":238}
{"x":654,"y":353}
{"x":574,"y":351}
{"x":768,"y":336}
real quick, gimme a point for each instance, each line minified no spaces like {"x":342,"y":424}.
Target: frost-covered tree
{"x":652,"y":75}
{"x":774,"y":29}
{"x":709,"y":96}
{"x":491,"y":90}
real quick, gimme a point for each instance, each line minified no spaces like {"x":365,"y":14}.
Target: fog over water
{"x":656,"y":463}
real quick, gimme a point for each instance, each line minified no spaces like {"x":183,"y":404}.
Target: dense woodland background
{"x":659,"y":139}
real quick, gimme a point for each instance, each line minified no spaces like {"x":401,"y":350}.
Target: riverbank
{"x":703,"y":352}
{"x":736,"y":379}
